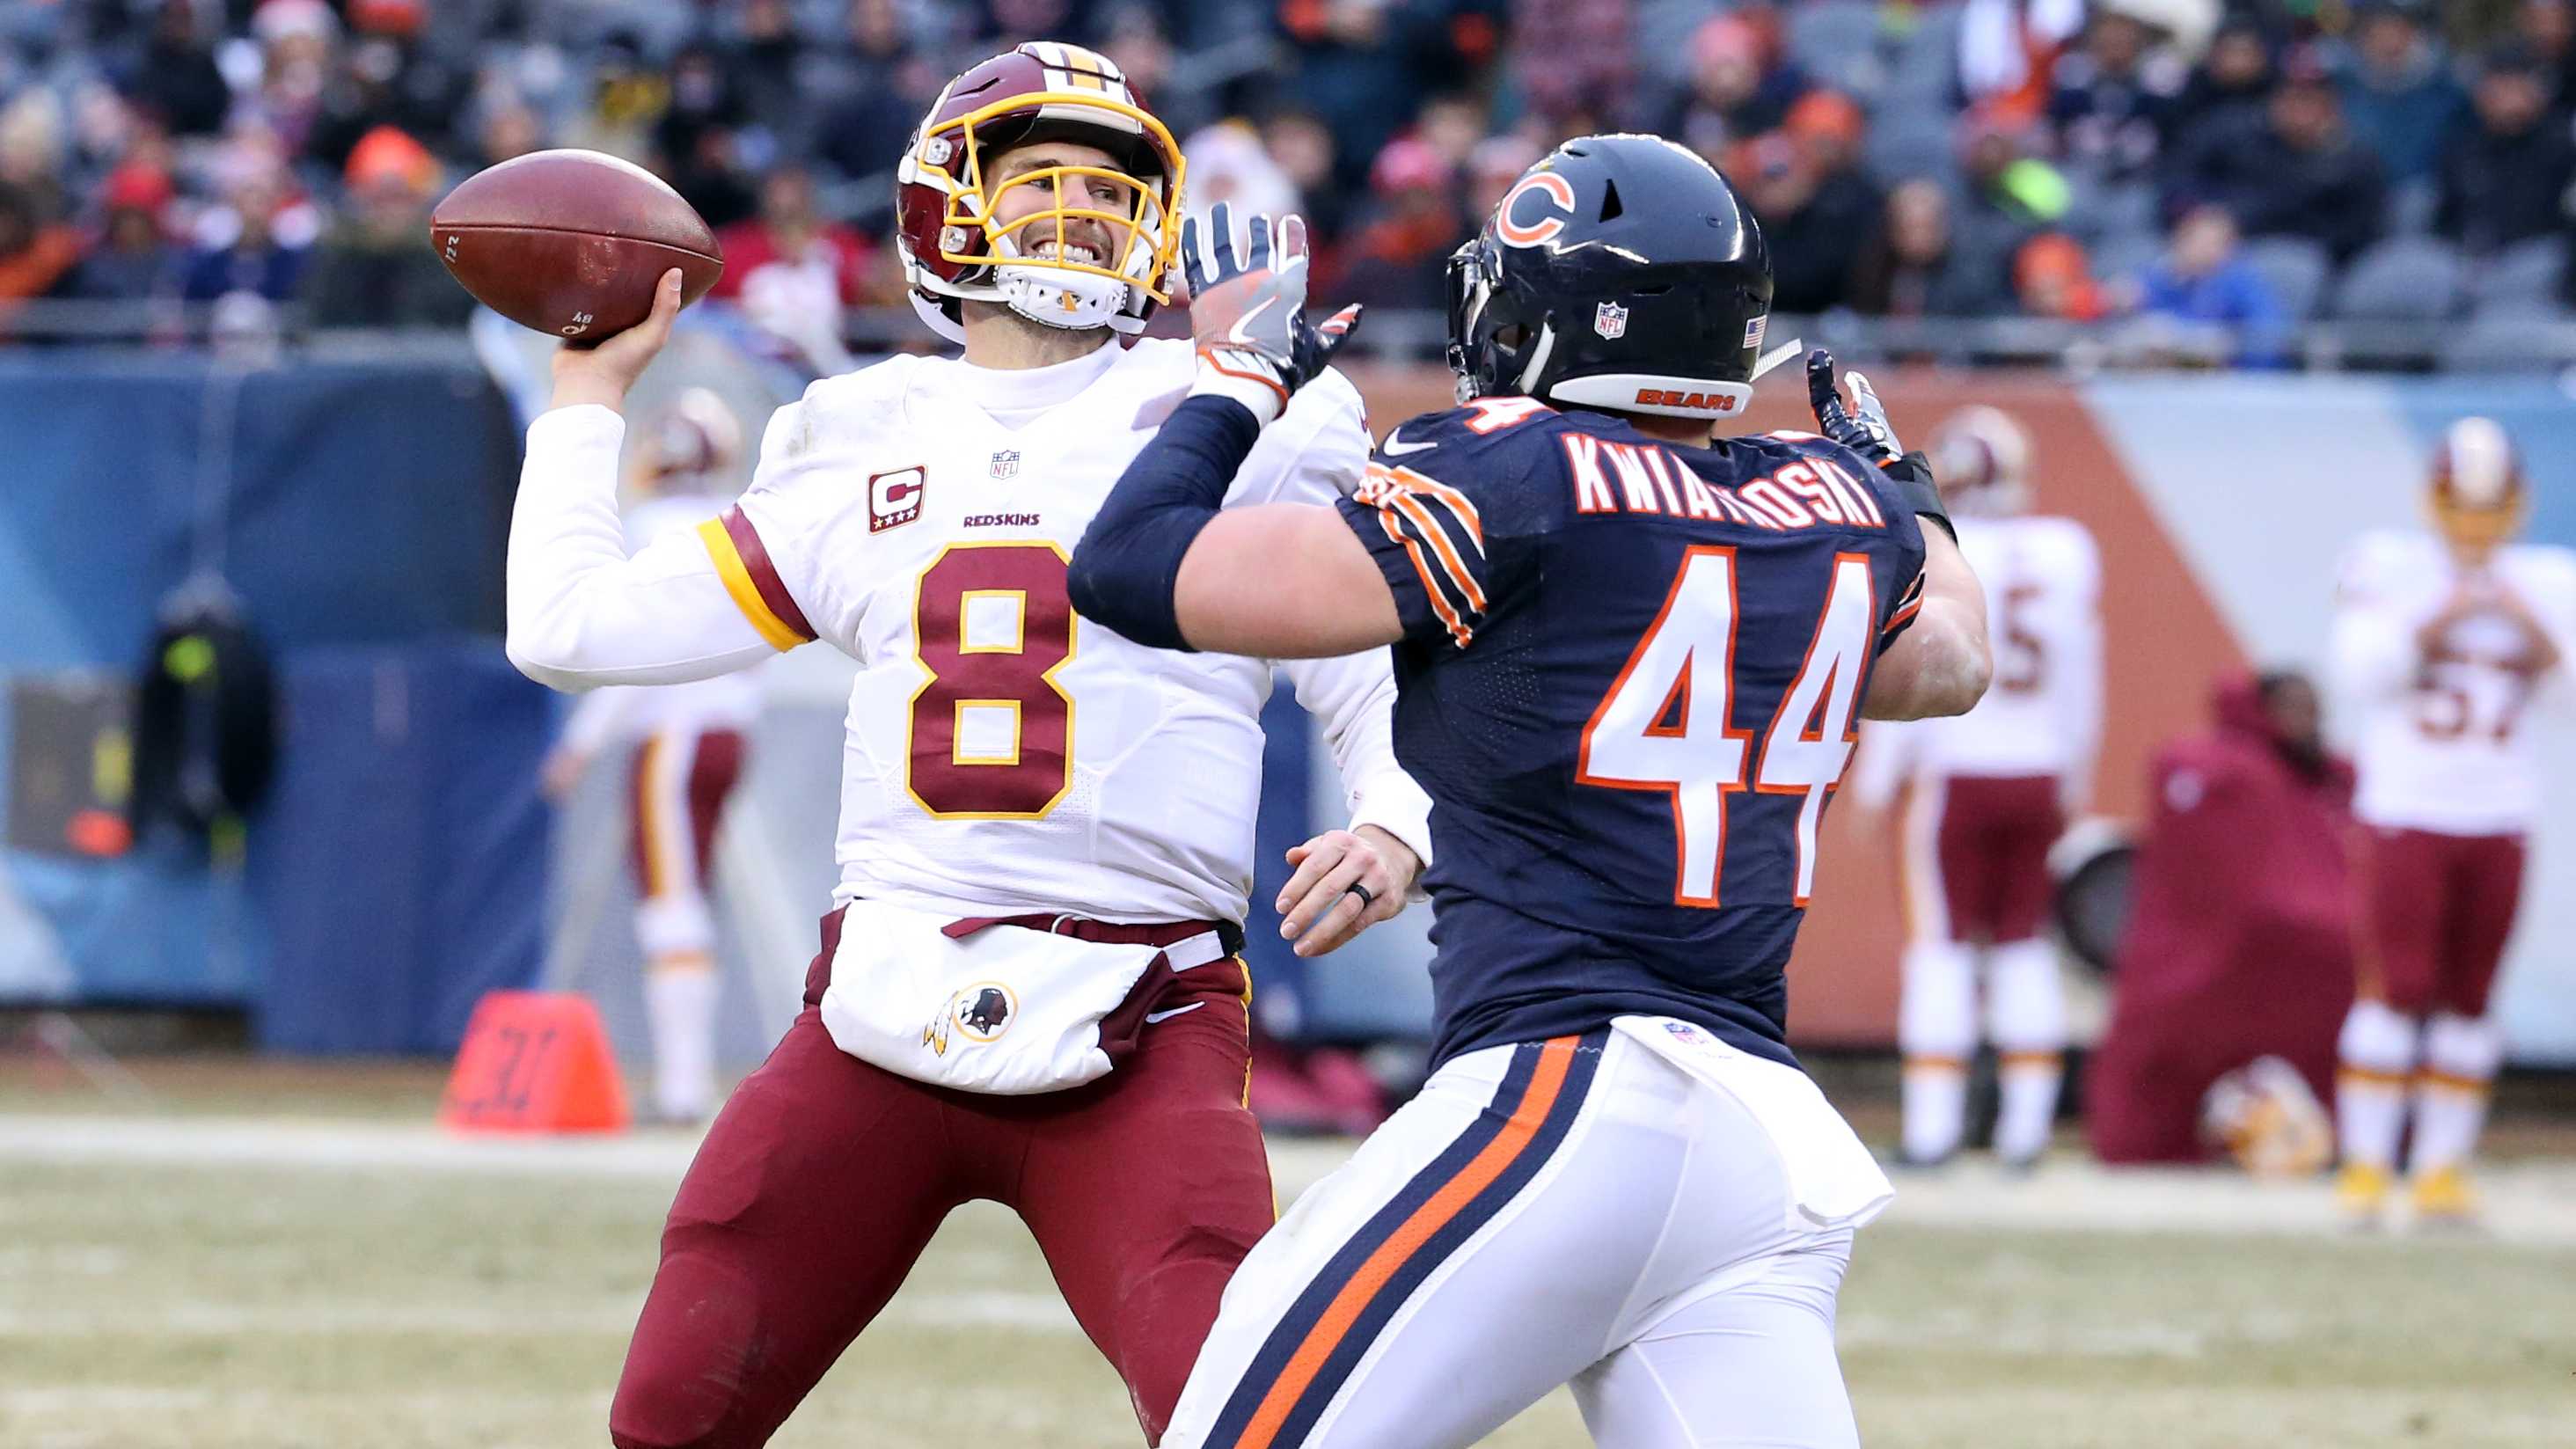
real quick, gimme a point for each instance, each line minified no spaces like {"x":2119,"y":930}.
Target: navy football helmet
{"x":1620,"y":272}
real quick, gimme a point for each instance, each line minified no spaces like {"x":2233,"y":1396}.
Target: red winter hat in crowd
{"x":1408,"y":164}
{"x":136,"y":187}
{"x":1825,"y":115}
{"x":388,"y":154}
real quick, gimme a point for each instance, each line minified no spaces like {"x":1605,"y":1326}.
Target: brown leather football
{"x":572,"y":242}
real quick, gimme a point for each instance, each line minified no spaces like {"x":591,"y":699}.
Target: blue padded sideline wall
{"x":349,"y":503}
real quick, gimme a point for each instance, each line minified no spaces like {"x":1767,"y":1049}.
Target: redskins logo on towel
{"x":981,"y":1012}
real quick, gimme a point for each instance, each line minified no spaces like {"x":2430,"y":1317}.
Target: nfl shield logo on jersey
{"x":1610,"y":320}
{"x":1006,"y":463}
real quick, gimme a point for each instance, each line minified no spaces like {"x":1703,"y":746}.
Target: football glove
{"x":1248,"y":311}
{"x":1863,"y":428}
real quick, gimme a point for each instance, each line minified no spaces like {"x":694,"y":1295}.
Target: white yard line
{"x":281,"y":1142}
{"x":2531,"y":1203}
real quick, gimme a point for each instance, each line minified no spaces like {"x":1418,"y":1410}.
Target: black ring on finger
{"x":1367,"y":897}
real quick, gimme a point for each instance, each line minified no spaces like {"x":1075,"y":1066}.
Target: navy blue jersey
{"x":1630,"y":679}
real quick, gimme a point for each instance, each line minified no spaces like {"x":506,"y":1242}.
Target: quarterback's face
{"x":1020,"y":193}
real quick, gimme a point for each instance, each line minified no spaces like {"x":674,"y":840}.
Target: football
{"x":572,"y":242}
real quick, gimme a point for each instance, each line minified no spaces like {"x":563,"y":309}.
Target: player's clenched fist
{"x":1248,"y":310}
{"x":1346,"y":882}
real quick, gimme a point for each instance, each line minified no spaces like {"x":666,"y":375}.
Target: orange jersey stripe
{"x":1458,"y":629}
{"x":1549,"y":1078}
{"x":648,"y":816}
{"x":1458,"y":502}
{"x":1450,"y":562}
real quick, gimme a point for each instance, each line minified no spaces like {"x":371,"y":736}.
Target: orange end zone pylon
{"x":534,"y":1061}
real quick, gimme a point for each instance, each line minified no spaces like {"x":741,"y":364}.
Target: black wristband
{"x":1912,"y":475}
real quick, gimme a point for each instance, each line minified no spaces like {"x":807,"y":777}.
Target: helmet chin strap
{"x":1054,"y":297}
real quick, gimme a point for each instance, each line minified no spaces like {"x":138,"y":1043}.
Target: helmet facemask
{"x":1493,"y":349}
{"x":1035,"y":264}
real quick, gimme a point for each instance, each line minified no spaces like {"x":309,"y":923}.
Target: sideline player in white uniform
{"x":1028,"y":990}
{"x":1992,"y":791}
{"x":2450,"y":647}
{"x":687,"y":744}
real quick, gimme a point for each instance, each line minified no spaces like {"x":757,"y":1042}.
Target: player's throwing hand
{"x":1248,"y":310}
{"x":603,"y":371}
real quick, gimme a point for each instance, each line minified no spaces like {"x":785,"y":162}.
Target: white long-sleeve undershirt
{"x":582,"y":613}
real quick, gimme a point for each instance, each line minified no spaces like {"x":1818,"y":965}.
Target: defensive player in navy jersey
{"x":1630,"y":658}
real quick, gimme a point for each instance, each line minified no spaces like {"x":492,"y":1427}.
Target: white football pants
{"x":1643,"y":1212}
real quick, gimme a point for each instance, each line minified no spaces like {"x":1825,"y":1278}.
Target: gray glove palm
{"x":1248,"y":311}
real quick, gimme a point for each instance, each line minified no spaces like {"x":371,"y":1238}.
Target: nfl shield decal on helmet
{"x":1006,"y":463}
{"x":1610,"y":319}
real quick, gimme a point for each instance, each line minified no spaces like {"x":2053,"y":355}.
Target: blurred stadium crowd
{"x":2081,"y":161}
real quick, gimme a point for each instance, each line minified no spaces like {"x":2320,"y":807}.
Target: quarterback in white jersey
{"x":2449,"y":658}
{"x":688,"y":745}
{"x":1992,"y":790}
{"x":1029,"y":990}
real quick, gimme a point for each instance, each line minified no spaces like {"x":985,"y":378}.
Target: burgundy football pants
{"x":1990,"y":855}
{"x":824,"y":1177}
{"x":2433,"y":915}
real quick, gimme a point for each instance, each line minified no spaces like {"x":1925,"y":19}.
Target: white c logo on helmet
{"x":1513,"y":232}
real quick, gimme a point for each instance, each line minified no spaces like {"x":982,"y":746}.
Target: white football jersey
{"x":1004,"y":755}
{"x":635,"y":711}
{"x":2042,"y":715}
{"x":2453,"y":746}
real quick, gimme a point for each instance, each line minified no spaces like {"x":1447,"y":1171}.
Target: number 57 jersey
{"x":1004,"y":756}
{"x":1630,"y":680}
{"x":2454,"y":743}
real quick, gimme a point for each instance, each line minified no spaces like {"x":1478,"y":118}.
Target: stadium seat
{"x":1836,"y":41}
{"x":1661,"y":32}
{"x":2507,"y":344}
{"x":2402,"y":279}
{"x":1924,"y":67}
{"x":2296,"y":270}
{"x":2521,"y":280}
{"x":2126,"y":209}
{"x":2410,"y":208}
{"x":2126,"y":254}
{"x":1906,"y":141}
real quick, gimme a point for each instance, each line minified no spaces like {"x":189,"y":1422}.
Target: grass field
{"x":240,"y":1282}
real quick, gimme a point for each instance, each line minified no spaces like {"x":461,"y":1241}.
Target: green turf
{"x":265,"y":1308}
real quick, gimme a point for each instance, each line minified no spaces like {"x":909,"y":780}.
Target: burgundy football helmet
{"x":2477,"y":491}
{"x":947,"y":194}
{"x":693,"y":445}
{"x":1982,"y":458}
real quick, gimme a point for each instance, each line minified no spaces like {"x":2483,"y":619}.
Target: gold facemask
{"x":1142,"y":236}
